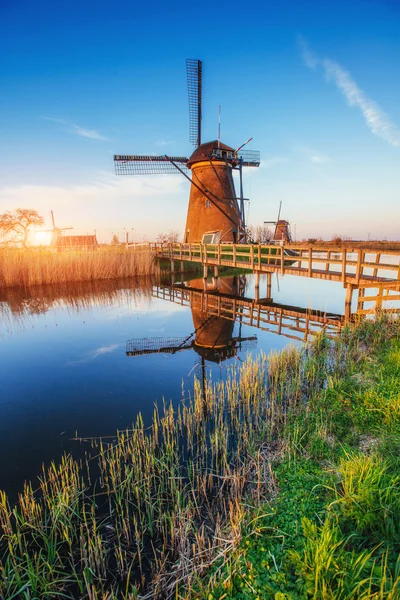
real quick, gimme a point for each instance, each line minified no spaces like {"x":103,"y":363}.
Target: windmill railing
{"x":353,"y":266}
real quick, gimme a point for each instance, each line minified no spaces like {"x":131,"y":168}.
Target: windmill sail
{"x":194,"y":71}
{"x":148,"y":165}
{"x":250,"y":158}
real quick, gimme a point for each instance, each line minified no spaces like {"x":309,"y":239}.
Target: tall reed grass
{"x":38,"y":267}
{"x":152,"y":510}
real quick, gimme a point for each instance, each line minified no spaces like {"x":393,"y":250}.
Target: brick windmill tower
{"x":215,"y":212}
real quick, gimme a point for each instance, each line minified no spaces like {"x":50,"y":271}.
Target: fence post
{"x":344,"y":259}
{"x":310,"y":252}
{"x":359,"y":265}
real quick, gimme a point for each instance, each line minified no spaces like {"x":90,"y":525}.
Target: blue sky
{"x":315,"y":83}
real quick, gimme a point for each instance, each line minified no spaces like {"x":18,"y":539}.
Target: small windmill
{"x":282,"y":228}
{"x":214,"y":209}
{"x":56,"y":232}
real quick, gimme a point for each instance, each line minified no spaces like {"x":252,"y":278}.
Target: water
{"x":65,"y":369}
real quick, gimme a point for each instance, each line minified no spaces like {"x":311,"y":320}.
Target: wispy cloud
{"x":88,"y":133}
{"x":163,"y":143}
{"x":319,"y":159}
{"x":312,"y":155}
{"x":376,"y":119}
{"x":93,"y":354}
{"x":273,"y":161}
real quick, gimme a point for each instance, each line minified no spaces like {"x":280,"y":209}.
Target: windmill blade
{"x":194,"y":71}
{"x":52,"y":219}
{"x":157,"y":345}
{"x":147,"y":165}
{"x":250,"y":158}
{"x":279,"y":212}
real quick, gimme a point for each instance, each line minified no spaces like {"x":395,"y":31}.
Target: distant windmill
{"x":282,"y":228}
{"x":215,"y":213}
{"x":56,"y":232}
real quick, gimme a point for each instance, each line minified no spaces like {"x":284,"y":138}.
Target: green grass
{"x":332,"y":530}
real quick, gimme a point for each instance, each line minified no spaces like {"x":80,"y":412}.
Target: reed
{"x":38,"y":267}
{"x":153,"y":511}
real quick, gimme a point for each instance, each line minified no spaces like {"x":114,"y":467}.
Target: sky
{"x":316,"y":83}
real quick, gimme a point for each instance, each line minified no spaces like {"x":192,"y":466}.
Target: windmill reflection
{"x":212,"y":337}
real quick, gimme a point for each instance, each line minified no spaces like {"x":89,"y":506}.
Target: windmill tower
{"x":56,"y":232}
{"x":215,"y":212}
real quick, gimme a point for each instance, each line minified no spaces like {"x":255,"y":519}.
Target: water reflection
{"x":25,"y":301}
{"x":216,"y":305}
{"x":64,"y":367}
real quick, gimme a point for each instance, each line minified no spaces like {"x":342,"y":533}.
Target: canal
{"x":83,"y":360}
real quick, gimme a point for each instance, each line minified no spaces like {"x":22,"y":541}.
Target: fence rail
{"x":355,"y":266}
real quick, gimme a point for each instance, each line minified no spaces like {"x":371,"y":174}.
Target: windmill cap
{"x":204,"y":151}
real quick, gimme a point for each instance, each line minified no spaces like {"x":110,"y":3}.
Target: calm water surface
{"x":65,"y":369}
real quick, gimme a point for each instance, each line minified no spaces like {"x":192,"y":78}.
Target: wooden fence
{"x":356,"y":266}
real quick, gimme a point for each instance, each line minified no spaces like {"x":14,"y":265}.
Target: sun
{"x":40,"y":238}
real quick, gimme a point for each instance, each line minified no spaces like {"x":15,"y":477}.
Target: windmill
{"x":282,"y":228}
{"x":215,"y":213}
{"x":56,"y":232}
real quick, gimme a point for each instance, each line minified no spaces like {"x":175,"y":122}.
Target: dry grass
{"x":38,"y":267}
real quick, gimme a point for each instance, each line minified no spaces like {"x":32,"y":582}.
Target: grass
{"x":333,"y":529}
{"x":280,"y":483}
{"x":39,"y":267}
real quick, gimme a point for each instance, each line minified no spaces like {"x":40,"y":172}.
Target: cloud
{"x":88,"y":133}
{"x":106,"y":349}
{"x":319,"y":159}
{"x":164,"y":142}
{"x":104,"y":202}
{"x":376,"y":119}
{"x":312,"y":155}
{"x":93,"y":354}
{"x":269,"y":163}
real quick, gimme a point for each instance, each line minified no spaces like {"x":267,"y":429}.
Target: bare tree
{"x":114,"y":240}
{"x":258,"y":235}
{"x":168,"y":238}
{"x":15,"y":225}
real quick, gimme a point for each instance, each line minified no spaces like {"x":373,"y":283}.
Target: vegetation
{"x":260,"y":234}
{"x":15,"y":225}
{"x":280,"y":483}
{"x":171,"y":237}
{"x":42,"y":266}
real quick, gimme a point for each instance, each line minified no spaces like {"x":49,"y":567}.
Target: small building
{"x":76,"y":242}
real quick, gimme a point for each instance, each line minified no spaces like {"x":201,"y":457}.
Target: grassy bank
{"x":39,"y":267}
{"x":279,"y":483}
{"x":331,"y":529}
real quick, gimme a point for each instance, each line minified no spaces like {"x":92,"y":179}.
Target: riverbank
{"x":331,"y":528}
{"x":20,"y":267}
{"x":208,"y":502}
